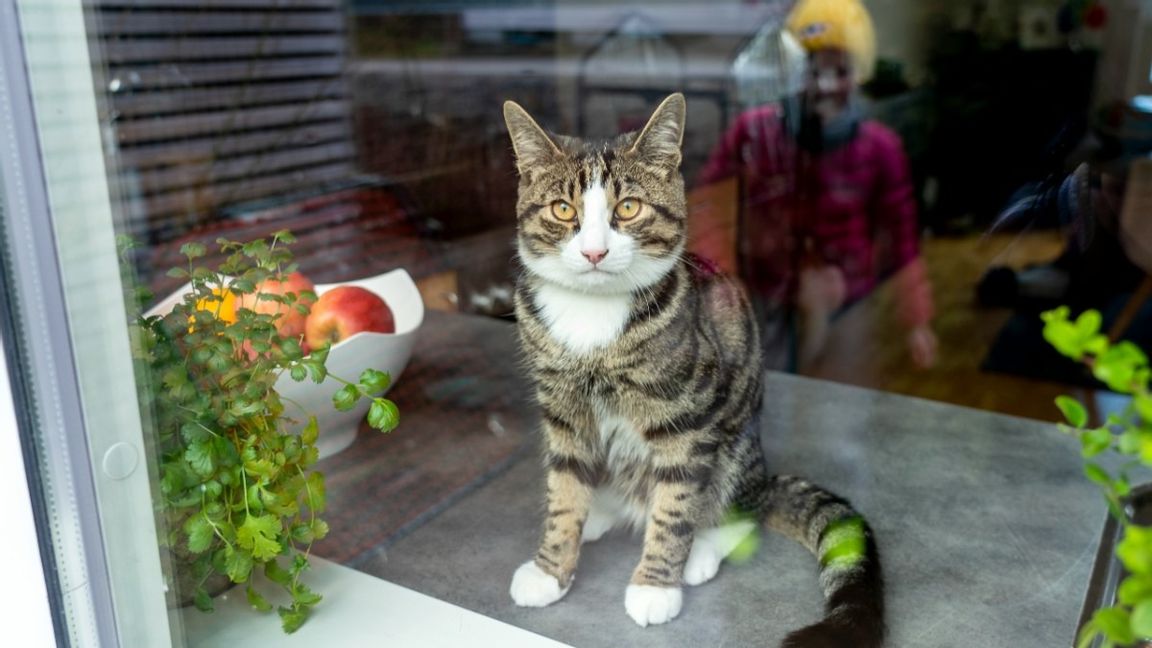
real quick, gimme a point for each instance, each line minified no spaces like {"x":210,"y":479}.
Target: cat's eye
{"x":627,"y":208}
{"x":563,"y":211}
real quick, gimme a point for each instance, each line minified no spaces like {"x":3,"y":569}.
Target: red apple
{"x":344,"y":311}
{"x":290,"y":322}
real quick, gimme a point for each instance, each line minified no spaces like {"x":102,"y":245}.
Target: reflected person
{"x":829,"y":208}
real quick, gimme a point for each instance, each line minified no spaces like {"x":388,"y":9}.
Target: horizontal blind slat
{"x":183,"y":75}
{"x":178,"y":152}
{"x":184,"y":23}
{"x":119,"y":51}
{"x":217,"y":4}
{"x":227,"y":97}
{"x":211,"y":171}
{"x":225,"y":122}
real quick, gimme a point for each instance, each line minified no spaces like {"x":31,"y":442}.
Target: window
{"x":901,"y":189}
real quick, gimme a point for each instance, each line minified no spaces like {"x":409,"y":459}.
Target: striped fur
{"x":648,"y":376}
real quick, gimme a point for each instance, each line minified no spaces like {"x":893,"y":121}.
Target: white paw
{"x":533,"y":587}
{"x":703,"y":562}
{"x":710,"y":547}
{"x":651,"y":605}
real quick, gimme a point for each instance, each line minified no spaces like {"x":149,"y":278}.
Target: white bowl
{"x":387,"y":352}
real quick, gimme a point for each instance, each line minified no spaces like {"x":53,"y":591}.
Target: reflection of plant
{"x":1124,"y":368}
{"x":236,"y":489}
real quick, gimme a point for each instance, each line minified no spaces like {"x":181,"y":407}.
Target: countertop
{"x":987,"y":530}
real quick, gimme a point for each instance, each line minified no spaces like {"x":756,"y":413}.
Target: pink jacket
{"x":852,"y":207}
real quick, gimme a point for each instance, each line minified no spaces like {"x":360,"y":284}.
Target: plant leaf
{"x":1087,"y":635}
{"x":1130,"y":442}
{"x":257,"y":601}
{"x":1135,"y":550}
{"x":1142,"y":619}
{"x":199,"y":532}
{"x":202,"y":600}
{"x":1088,"y":323}
{"x":374,"y":381}
{"x":1073,"y":411}
{"x":316,"y":368}
{"x":1146,"y":448}
{"x":292,"y":618}
{"x":194,"y":432}
{"x":1062,"y":334}
{"x":199,"y":458}
{"x":319,"y":529}
{"x":1094,"y":442}
{"x":310,"y":432}
{"x":1135,"y":589}
{"x":258,"y":534}
{"x":1097,"y":474}
{"x":237,"y":564}
{"x":383,"y":415}
{"x":291,"y":348}
{"x":277,"y":574}
{"x":345,"y":398}
{"x":1114,"y":623}
{"x":305,"y":596}
{"x":1143,"y":403}
{"x":193,"y":250}
{"x":1119,"y":366}
{"x":317,"y":492}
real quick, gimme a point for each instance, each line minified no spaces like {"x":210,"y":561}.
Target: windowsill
{"x":357,"y":610}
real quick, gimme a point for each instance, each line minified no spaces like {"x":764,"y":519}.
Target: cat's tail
{"x":849,"y":562}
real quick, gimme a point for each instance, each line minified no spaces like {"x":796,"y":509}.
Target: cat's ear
{"x":659,"y":142}
{"x":531,"y":144}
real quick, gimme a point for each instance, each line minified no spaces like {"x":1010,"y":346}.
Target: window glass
{"x":898,"y":226}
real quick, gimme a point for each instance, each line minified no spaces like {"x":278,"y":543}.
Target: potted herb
{"x":237,"y":493}
{"x":1126,"y":618}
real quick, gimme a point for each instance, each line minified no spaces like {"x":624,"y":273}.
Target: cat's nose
{"x":594,"y":256}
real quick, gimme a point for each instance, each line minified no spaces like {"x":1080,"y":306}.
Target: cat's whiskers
{"x":690,"y":260}
{"x":646,"y":292}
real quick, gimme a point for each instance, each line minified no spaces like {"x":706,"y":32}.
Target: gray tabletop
{"x":987,"y":533}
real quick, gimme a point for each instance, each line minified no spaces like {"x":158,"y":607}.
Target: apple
{"x":344,"y":311}
{"x":290,"y":323}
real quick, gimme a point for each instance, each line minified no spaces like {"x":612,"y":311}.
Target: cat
{"x":646,"y":369}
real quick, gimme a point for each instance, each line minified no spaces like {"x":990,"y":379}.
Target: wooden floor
{"x":867,"y":345}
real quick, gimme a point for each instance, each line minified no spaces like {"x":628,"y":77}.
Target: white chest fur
{"x":581,"y":321}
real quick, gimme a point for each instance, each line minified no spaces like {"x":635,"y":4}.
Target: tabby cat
{"x":646,"y":367}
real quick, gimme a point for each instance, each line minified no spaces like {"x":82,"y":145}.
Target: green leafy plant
{"x":1123,"y":367}
{"x":237,"y":492}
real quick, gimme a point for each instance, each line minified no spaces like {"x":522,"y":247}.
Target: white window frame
{"x":64,"y":277}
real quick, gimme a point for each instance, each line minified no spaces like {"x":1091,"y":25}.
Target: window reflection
{"x":372,"y":129}
{"x":903,"y":186}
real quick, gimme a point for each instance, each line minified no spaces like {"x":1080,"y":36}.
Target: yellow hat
{"x":841,"y":24}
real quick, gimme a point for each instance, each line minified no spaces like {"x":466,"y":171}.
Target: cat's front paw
{"x":703,"y":563}
{"x":533,"y":587}
{"x":651,"y":605}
